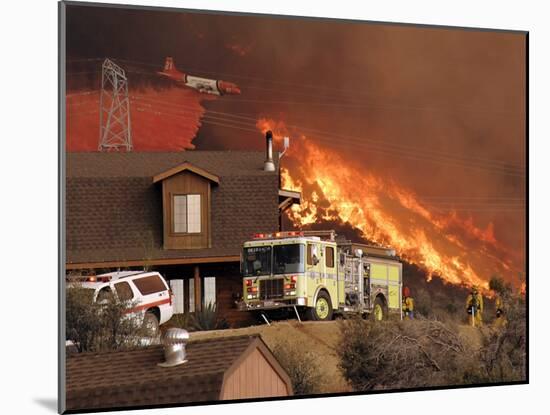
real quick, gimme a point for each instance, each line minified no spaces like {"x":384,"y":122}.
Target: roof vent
{"x":174,"y":341}
{"x":269,"y":165}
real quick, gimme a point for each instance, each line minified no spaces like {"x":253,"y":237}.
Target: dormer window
{"x":187,"y":213}
{"x":186,"y":200}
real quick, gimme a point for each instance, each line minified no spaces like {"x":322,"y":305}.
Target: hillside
{"x":321,"y":338}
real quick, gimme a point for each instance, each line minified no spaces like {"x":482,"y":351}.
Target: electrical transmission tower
{"x":114,"y":109}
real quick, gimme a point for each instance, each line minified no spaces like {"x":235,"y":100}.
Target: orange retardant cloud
{"x":161,"y":120}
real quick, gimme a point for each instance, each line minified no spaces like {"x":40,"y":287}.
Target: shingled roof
{"x":114,"y":210}
{"x":133,"y":378}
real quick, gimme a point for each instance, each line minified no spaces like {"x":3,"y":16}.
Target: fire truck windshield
{"x":288,"y":258}
{"x":257,"y":261}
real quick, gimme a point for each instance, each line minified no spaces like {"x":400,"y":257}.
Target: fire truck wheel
{"x":379,"y":312}
{"x":323,"y":308}
{"x":151,"y":325}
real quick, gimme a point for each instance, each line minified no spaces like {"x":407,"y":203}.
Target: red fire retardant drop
{"x":165,"y":120}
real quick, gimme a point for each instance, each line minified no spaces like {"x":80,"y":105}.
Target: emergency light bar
{"x":277,"y":235}
{"x":93,"y":278}
{"x":89,"y":278}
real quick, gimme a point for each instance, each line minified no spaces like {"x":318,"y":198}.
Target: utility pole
{"x":114,"y":109}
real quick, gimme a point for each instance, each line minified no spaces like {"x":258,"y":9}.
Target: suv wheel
{"x":151,"y":325}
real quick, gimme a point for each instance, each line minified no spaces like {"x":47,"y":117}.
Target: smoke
{"x":437,"y":113}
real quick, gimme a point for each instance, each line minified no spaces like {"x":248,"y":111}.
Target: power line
{"x":203,"y":121}
{"x":72,"y":114}
{"x":85,"y":60}
{"x":229,"y":126}
{"x":427,"y":158}
{"x":340,"y":93}
{"x":302,"y":85}
{"x":376,"y":145}
{"x":76,"y":94}
{"x":392,"y":152}
{"x":498,"y":206}
{"x":383,"y":147}
{"x":300,"y":127}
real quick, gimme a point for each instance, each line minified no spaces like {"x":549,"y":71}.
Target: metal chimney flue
{"x":269,"y":165}
{"x":174,"y":342}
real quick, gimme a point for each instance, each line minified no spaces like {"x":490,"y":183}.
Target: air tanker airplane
{"x":203,"y":85}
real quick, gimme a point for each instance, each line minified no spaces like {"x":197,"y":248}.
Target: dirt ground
{"x":319,"y":337}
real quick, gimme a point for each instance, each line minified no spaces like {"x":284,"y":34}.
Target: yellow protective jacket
{"x":477,"y":298}
{"x":408,"y":304}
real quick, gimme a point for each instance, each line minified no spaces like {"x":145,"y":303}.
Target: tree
{"x":103,"y":325}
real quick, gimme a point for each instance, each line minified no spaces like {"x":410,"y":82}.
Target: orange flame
{"x":386,"y":214}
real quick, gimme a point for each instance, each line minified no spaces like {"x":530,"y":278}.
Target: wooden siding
{"x":253,"y":378}
{"x":185,"y":183}
{"x":227,"y":287}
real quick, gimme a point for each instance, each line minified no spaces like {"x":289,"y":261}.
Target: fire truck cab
{"x":320,"y":275}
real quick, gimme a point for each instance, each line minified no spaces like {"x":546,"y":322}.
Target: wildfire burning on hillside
{"x":340,"y":190}
{"x":414,"y":136}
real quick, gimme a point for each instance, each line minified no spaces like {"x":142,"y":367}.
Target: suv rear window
{"x":149,"y":285}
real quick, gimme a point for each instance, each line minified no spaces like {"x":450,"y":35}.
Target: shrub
{"x":93,"y":326}
{"x":180,"y":320}
{"x":207,"y":318}
{"x":451,"y":308}
{"x":302,"y":366}
{"x":504,"y":351}
{"x":403,"y":354}
{"x":423,"y":303}
{"x":498,"y":285}
{"x":82,"y":319}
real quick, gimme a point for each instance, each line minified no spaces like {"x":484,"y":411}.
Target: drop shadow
{"x":48,"y":403}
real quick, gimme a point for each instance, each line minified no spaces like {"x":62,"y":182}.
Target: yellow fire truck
{"x":320,"y":275}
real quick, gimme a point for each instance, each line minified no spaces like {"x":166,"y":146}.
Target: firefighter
{"x":500,"y":318}
{"x":474,"y":307}
{"x":408,"y":304}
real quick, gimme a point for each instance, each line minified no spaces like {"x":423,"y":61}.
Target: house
{"x":184,"y":214}
{"x":228,"y":368}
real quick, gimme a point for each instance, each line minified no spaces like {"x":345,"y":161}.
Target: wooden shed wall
{"x":254,"y":378}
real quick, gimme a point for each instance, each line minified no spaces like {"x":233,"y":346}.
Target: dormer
{"x":186,"y":206}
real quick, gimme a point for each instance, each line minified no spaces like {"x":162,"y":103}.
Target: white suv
{"x":148,"y":291}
